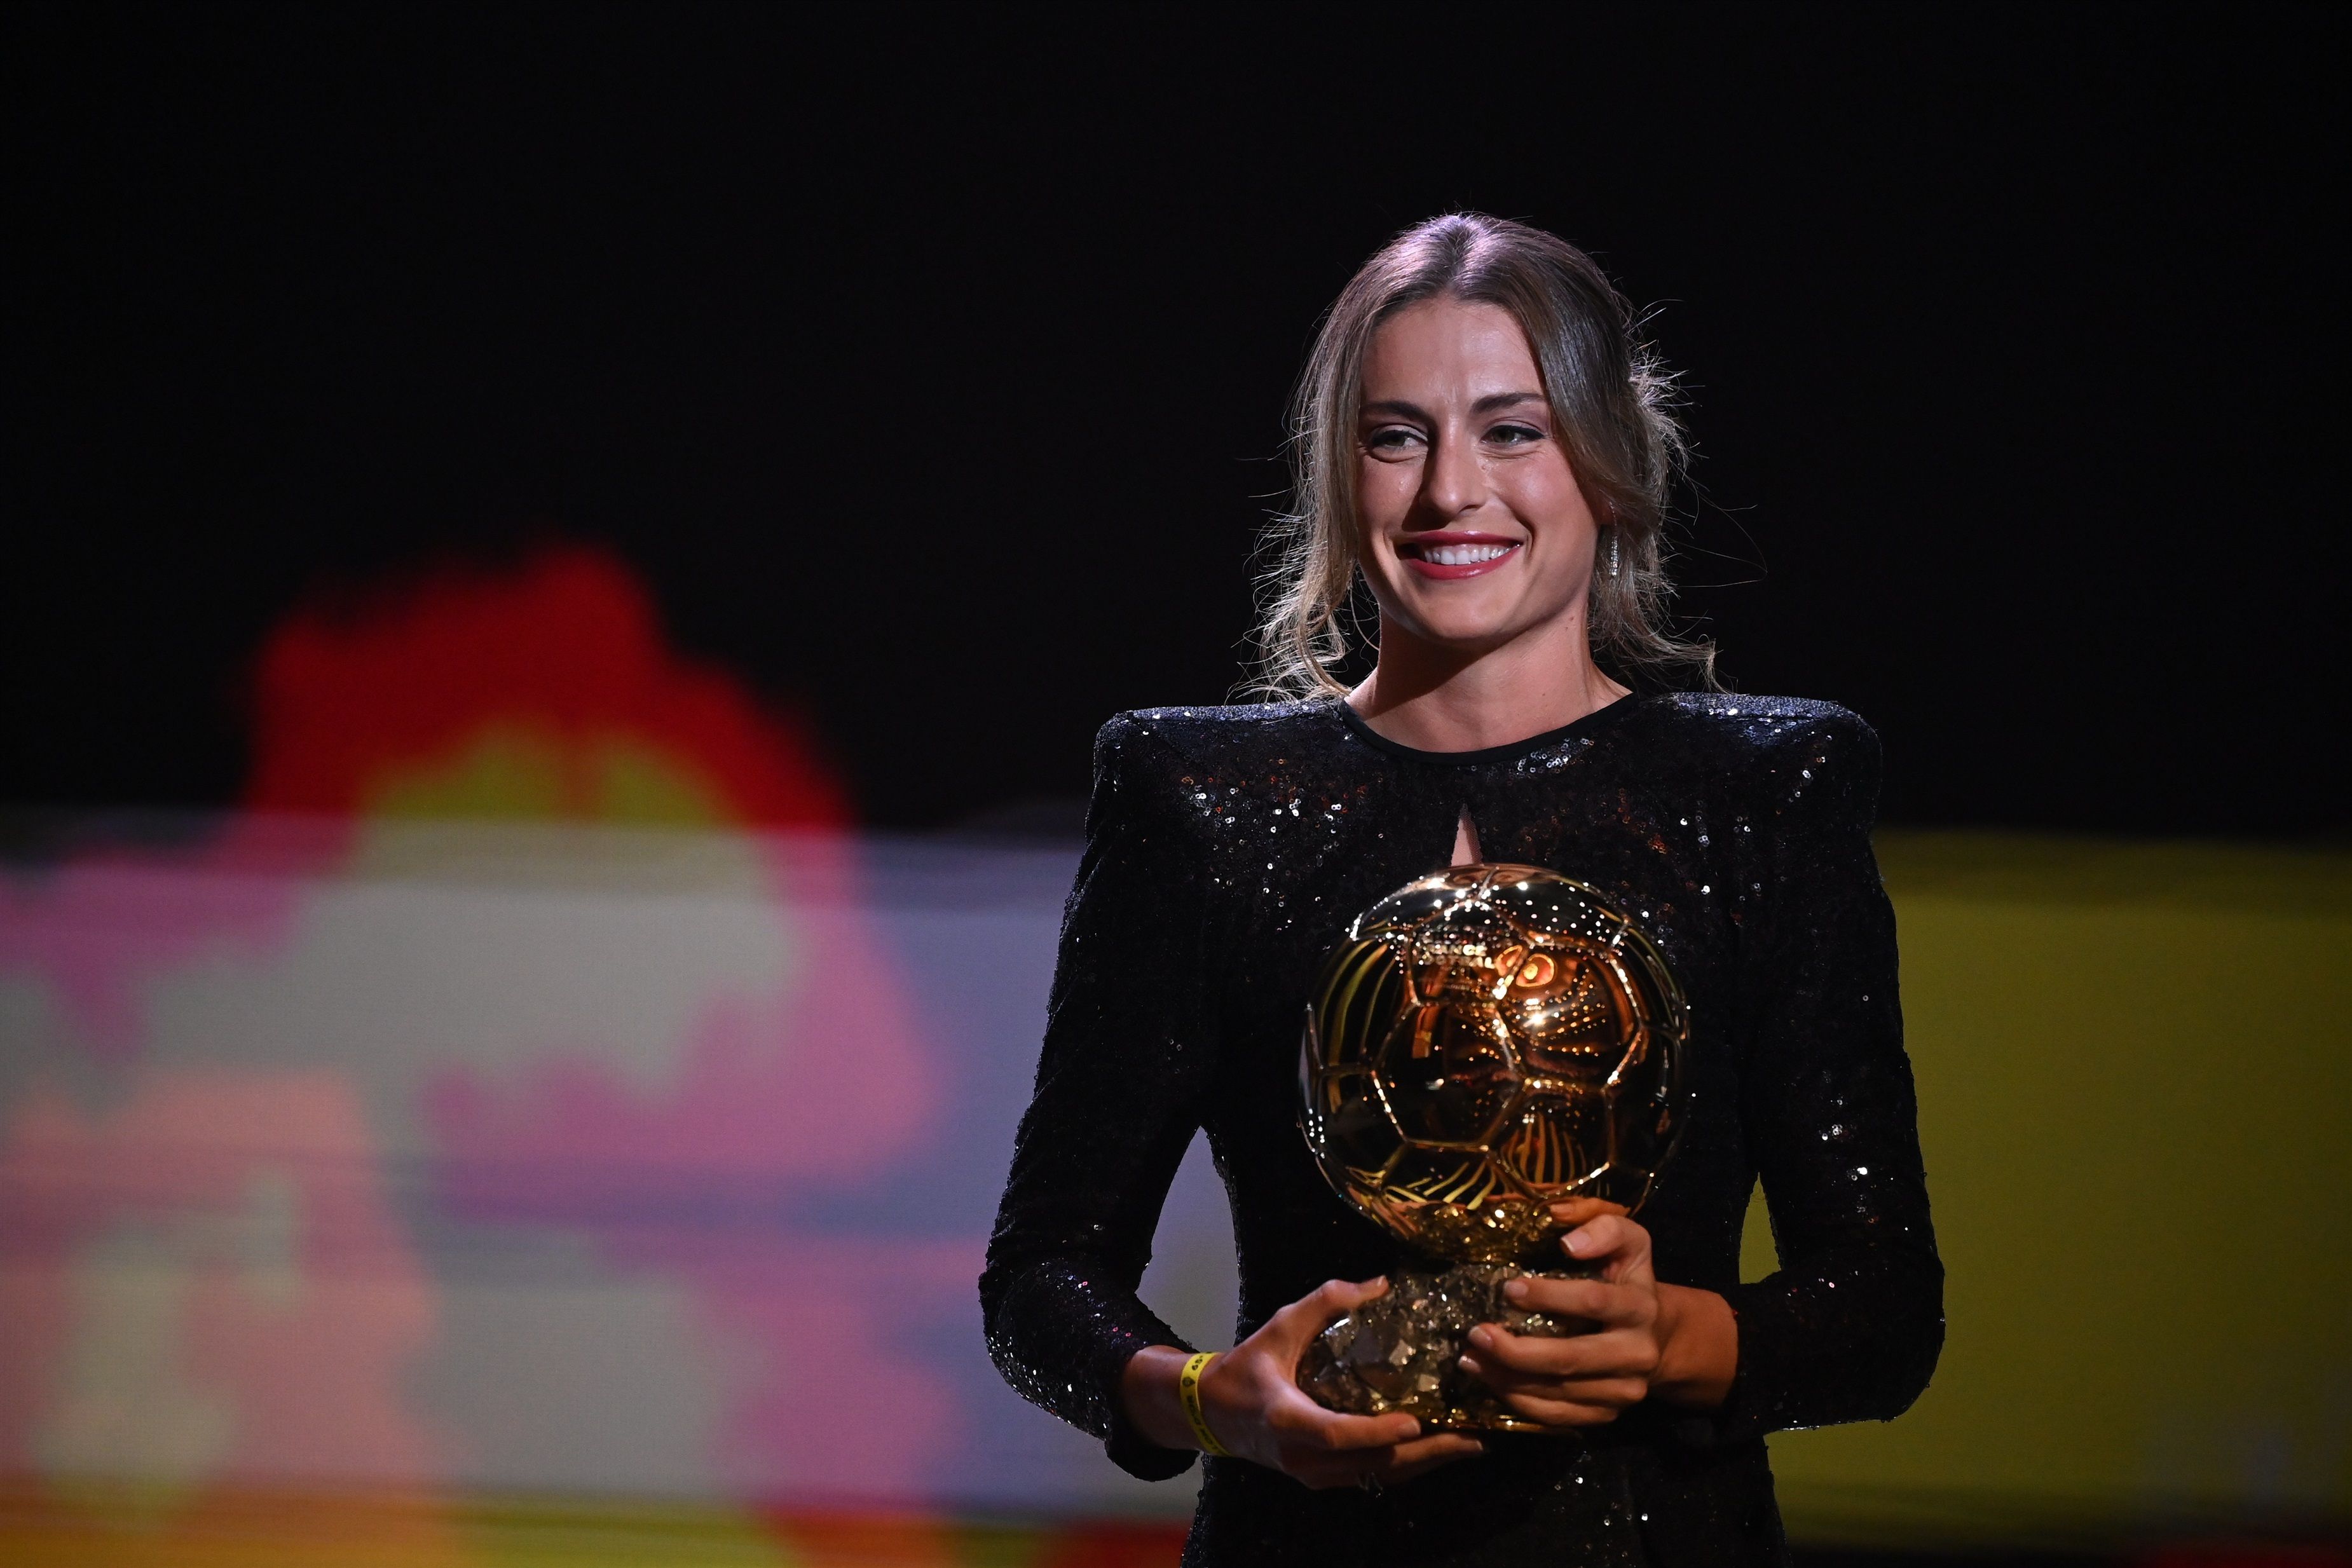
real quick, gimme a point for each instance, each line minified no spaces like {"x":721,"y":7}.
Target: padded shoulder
{"x":1175,"y":770}
{"x":1763,"y":723}
{"x":1222,"y":738}
{"x":1794,"y":753}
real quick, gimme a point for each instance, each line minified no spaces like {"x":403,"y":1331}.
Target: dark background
{"x":932,"y":375}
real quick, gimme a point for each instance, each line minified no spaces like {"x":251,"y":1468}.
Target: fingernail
{"x":1466,"y":1363}
{"x":1482,"y":1336}
{"x":1578,"y":1244}
{"x":1516,"y":1289}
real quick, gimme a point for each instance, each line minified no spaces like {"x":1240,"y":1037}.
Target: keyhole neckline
{"x":1467,"y":850}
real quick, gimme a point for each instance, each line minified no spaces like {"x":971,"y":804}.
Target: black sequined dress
{"x":1227,"y":850}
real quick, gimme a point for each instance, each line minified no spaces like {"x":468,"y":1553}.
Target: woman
{"x":1481,"y":444}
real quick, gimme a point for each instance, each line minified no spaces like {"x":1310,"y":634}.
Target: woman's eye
{"x":1513,"y":434}
{"x":1391,"y":439}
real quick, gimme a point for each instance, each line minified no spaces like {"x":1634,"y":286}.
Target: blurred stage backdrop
{"x":532,"y":1128}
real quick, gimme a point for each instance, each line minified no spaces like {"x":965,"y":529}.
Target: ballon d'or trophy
{"x":1487,"y":1042}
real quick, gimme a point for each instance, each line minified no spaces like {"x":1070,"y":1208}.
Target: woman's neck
{"x":1434,"y":698}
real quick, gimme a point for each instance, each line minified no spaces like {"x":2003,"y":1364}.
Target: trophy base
{"x":1403,"y":1353}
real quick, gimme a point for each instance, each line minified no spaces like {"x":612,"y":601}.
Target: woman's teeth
{"x":1464,"y":555}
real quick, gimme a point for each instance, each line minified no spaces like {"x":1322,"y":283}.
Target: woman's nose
{"x":1454,"y":482}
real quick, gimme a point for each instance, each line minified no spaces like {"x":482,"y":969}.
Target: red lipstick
{"x":1463,"y":553}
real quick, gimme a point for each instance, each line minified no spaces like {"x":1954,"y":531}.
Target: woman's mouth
{"x":1451,"y":557}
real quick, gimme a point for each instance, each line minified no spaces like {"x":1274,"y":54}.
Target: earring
{"x":1613,"y":552}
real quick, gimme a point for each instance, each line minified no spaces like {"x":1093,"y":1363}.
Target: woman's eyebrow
{"x":1399,"y":408}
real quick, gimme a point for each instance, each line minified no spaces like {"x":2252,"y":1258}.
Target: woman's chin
{"x":1465,"y":630}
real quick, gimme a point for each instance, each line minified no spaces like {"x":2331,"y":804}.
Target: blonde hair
{"x":1611,"y":402}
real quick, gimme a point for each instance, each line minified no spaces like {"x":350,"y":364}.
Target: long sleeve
{"x":1129,"y":1048}
{"x":1850,"y":1326}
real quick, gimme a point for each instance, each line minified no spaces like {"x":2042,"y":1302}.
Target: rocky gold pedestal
{"x":1403,"y":1351}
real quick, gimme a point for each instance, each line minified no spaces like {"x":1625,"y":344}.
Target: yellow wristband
{"x":1188,"y":1385}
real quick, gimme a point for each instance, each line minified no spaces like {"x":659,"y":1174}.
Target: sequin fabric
{"x":1227,"y":850}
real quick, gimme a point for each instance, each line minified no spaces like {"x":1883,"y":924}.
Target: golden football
{"x":1487,"y":1041}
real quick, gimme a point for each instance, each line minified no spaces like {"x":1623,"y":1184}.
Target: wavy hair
{"x":1610,"y":401}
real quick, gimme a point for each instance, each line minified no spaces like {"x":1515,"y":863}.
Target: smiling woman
{"x":1563,"y":366}
{"x":1482,"y":446}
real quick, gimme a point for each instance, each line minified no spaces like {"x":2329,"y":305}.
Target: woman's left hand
{"x":1679,"y":1344}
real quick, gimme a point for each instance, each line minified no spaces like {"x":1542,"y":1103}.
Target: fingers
{"x":1574,"y":1211}
{"x":1412,"y":1460}
{"x":1594,"y":1301}
{"x":1579,"y":1382}
{"x":1612,"y":1240}
{"x":1433,"y":1447}
{"x":1302,"y":1424}
{"x":1611,"y":1353}
{"x":1255,"y":1389}
{"x":1615,"y":1392}
{"x":1285,"y":1335}
{"x":1324,"y":1448}
{"x":1335,"y":1297}
{"x":1553,"y":1411}
{"x":1311,"y":1313}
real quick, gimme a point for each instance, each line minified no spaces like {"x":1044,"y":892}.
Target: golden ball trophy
{"x":1487,"y":1041}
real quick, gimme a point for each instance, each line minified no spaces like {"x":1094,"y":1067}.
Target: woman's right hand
{"x":1252,"y":1401}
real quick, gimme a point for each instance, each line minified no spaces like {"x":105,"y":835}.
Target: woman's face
{"x":1474,"y":530}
